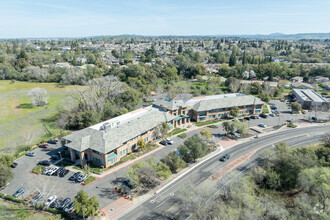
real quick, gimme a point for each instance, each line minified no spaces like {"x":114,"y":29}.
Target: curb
{"x":121,"y":195}
{"x":102,"y":212}
{"x":34,"y":172}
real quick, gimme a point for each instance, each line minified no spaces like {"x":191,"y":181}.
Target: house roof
{"x":309,"y":95}
{"x":226,"y":102}
{"x":105,"y":141}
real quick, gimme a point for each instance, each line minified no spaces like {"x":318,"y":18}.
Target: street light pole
{"x":82,"y":209}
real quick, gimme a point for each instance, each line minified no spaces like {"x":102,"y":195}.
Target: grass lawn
{"x":287,"y":90}
{"x":38,"y":169}
{"x":89,"y":180}
{"x":265,"y":109}
{"x":92,"y":169}
{"x":178,"y":131}
{"x":184,"y":135}
{"x":20,"y":122}
{"x":19,"y":211}
{"x":200,"y":124}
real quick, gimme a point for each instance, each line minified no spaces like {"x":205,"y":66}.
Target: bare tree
{"x":36,"y":72}
{"x":38,"y":96}
{"x":108,"y":87}
{"x":29,"y":136}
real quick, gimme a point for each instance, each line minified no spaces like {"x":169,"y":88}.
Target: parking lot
{"x":103,"y":188}
{"x":47,"y":185}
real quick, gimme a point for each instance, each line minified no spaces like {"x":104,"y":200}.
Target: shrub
{"x":291,"y":125}
{"x":53,"y":211}
{"x":13,"y":199}
{"x":38,"y":169}
{"x":89,"y":180}
{"x":183,"y":135}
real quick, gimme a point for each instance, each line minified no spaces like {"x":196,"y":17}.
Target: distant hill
{"x":299,"y":36}
{"x":315,"y":36}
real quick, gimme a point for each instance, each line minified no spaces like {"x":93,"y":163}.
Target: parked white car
{"x":50,"y":200}
{"x":262,"y":125}
{"x":169,"y":141}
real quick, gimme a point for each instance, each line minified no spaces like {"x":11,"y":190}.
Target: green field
{"x":20,"y":123}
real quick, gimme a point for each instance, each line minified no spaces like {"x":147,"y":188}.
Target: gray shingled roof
{"x":175,"y":103}
{"x":206,"y":105}
{"x":105,"y":142}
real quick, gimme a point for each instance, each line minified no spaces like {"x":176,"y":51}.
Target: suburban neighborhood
{"x":164,"y":110}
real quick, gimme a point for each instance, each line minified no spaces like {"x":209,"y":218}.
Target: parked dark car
{"x":129,"y":183}
{"x":43,"y":145}
{"x":314,"y":119}
{"x":241,"y":120}
{"x":69,"y":208}
{"x":163,"y":142}
{"x":273,"y":107}
{"x":247,"y":118}
{"x":52,"y":141}
{"x":254,"y":117}
{"x":58,"y":171}
{"x":55,"y":157}
{"x":75,"y":176}
{"x":14,"y":165}
{"x":56,"y":204}
{"x":225,"y":157}
{"x":263,"y":115}
{"x":44,"y":163}
{"x":65,"y":202}
{"x":234,"y":133}
{"x":19,"y":192}
{"x":36,"y":198}
{"x":64,"y":172}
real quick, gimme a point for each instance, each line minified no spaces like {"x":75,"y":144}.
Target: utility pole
{"x":82,"y":209}
{"x":60,"y":157}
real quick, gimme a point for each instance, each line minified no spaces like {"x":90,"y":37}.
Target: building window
{"x":240,"y":112}
{"x":221,"y":115}
{"x":213,"y":110}
{"x":211,"y":116}
{"x":112,"y":158}
{"x":123,"y":152}
{"x":146,"y":140}
{"x":97,"y":160}
{"x":94,"y":151}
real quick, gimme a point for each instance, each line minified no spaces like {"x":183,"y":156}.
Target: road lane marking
{"x":160,"y":204}
{"x":178,"y":212}
{"x":173,"y":206}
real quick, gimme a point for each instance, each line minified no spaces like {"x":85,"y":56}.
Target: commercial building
{"x":308,"y":98}
{"x":107,"y":142}
{"x":207,"y":108}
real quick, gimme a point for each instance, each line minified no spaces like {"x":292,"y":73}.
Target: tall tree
{"x":180,"y":49}
{"x":232,"y":59}
{"x":85,"y":206}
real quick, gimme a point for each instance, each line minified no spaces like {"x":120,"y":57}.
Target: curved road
{"x":166,"y":204}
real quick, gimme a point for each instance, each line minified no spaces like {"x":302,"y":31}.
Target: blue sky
{"x":73,"y":18}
